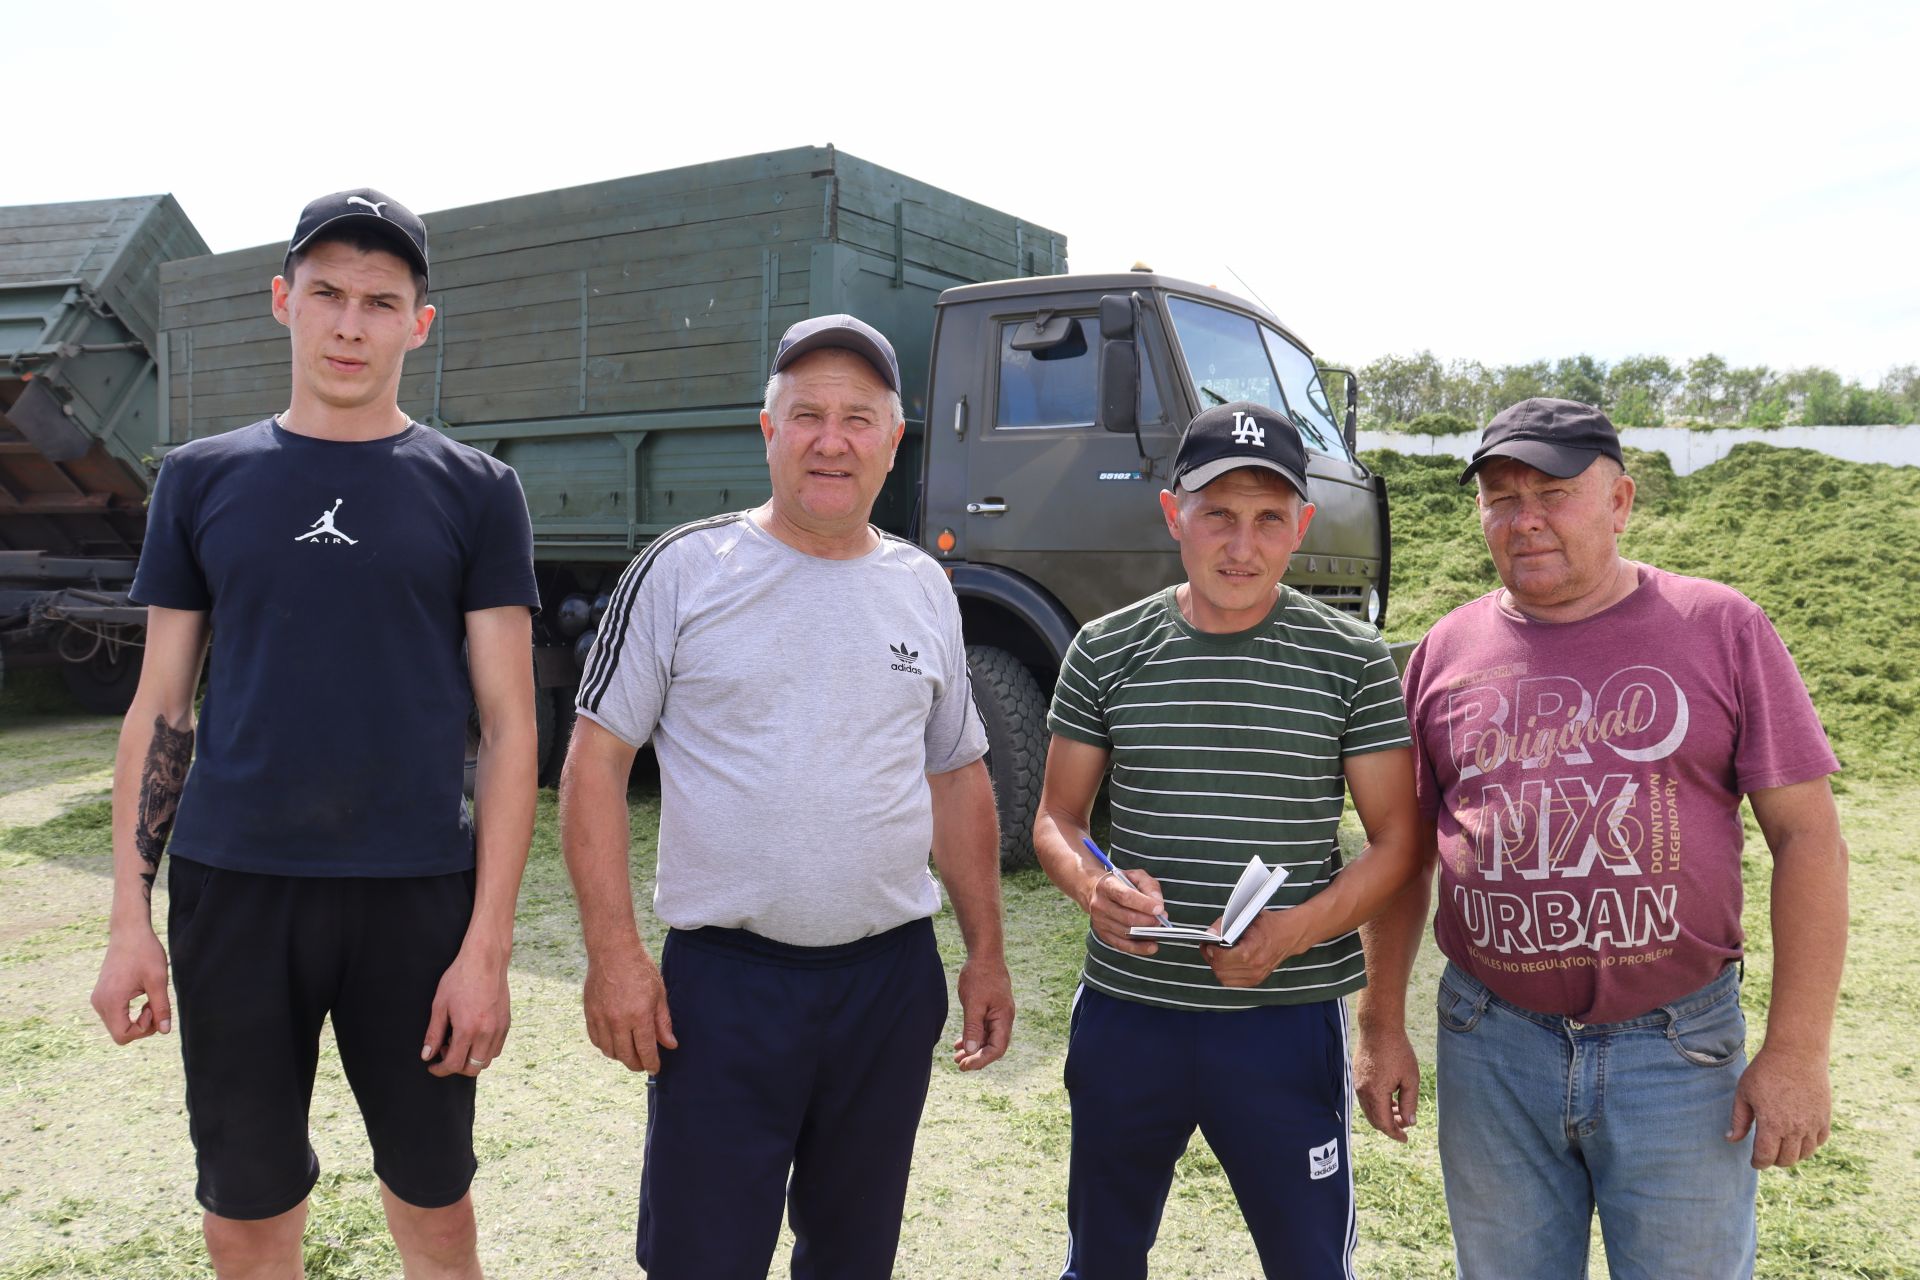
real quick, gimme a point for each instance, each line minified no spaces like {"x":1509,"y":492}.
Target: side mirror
{"x":1350,"y":432}
{"x":1119,"y":365}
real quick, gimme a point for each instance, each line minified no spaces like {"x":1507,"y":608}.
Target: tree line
{"x":1421,"y":393}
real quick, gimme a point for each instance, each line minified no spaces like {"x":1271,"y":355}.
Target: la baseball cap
{"x":846,"y":332}
{"x":402,"y":226}
{"x":1559,"y":437}
{"x":1242,"y":434}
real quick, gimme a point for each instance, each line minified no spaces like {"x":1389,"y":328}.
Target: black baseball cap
{"x":1242,"y":434}
{"x":401,"y":224}
{"x":1559,"y":437}
{"x":846,"y":332}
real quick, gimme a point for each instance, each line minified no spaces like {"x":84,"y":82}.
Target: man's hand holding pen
{"x":1116,"y":901}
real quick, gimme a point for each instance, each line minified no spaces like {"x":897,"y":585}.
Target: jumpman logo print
{"x":323,"y":527}
{"x":370,"y":204}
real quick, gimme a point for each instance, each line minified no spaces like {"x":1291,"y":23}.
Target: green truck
{"x":611,"y":342}
{"x":79,"y":430}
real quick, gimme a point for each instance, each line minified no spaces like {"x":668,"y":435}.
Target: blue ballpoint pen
{"x":1114,"y":871}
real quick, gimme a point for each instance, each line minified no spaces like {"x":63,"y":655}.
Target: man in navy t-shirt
{"x":363,"y":580}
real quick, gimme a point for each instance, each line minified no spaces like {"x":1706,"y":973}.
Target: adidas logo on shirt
{"x":903,"y":659}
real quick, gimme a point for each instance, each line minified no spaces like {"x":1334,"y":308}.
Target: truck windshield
{"x":1224,"y":355}
{"x":1232,"y":358}
{"x":1306,"y":396}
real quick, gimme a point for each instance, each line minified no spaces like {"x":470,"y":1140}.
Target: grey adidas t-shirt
{"x":796,"y":705}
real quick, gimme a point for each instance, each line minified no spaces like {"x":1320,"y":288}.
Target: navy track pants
{"x":800,"y":1078}
{"x":1270,"y":1090}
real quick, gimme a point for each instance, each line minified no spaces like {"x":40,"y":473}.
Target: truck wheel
{"x":1015,"y":713}
{"x":105,"y":682}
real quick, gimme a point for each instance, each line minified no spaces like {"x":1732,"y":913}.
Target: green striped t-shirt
{"x":1225,"y":746}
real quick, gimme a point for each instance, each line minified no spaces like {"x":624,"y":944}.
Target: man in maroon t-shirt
{"x":1583,"y":737}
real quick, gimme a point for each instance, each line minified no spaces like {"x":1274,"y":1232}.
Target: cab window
{"x":1050,"y":374}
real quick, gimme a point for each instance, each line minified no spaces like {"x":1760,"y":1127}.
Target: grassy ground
{"x":96,"y":1172}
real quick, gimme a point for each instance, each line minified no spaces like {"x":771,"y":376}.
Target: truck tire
{"x":1015,"y":714}
{"x":104,"y":684}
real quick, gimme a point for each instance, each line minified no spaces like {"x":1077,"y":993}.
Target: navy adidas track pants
{"x":800,"y":1078}
{"x":1270,"y":1090}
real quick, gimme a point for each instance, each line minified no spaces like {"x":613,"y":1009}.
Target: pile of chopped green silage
{"x":1830,"y":549}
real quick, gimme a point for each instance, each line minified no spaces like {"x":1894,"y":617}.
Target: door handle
{"x":988,"y":507}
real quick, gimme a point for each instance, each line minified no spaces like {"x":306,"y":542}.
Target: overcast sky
{"x":1500,"y":182}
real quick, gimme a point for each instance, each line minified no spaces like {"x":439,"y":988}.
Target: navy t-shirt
{"x":337,"y":576}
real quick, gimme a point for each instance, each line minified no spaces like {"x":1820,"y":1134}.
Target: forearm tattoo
{"x":161,"y":781}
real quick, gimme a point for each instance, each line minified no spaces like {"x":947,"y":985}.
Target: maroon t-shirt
{"x":1585,"y":781}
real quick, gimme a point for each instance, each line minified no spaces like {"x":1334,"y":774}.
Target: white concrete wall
{"x":1689,"y":450}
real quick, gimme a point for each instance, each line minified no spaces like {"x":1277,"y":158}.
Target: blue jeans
{"x":1543,"y":1120}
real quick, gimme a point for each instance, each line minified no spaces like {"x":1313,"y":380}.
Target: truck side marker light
{"x":946,"y":541}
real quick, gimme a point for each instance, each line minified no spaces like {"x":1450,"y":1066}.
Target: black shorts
{"x":259,"y":961}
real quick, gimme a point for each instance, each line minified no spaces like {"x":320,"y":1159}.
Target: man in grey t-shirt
{"x":803,"y":681}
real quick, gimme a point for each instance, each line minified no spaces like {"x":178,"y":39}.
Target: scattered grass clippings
{"x":84,"y":830}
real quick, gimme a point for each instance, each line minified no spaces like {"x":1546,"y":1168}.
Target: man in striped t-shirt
{"x":1234,"y":713}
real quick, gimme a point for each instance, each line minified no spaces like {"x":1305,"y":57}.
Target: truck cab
{"x":1054,"y":407}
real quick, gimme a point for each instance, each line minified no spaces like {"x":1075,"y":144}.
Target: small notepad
{"x":1256,"y":888}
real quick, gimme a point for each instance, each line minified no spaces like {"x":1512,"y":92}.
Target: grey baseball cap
{"x":846,"y":332}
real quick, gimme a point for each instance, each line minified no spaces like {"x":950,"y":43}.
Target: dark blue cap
{"x":846,"y":332}
{"x":401,"y":225}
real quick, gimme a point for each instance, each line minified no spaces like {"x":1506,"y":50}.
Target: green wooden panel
{"x":269,"y":348}
{"x":873,"y":236}
{"x":719,"y":389}
{"x":657,"y":251}
{"x":937,"y":215}
{"x":256,"y":325}
{"x":577,"y":484}
{"x":638,"y":188}
{"x":798,"y":199}
{"x":130,"y":284}
{"x":25,"y":314}
{"x":222,"y":275}
{"x":56,"y":241}
{"x":685,"y":475}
